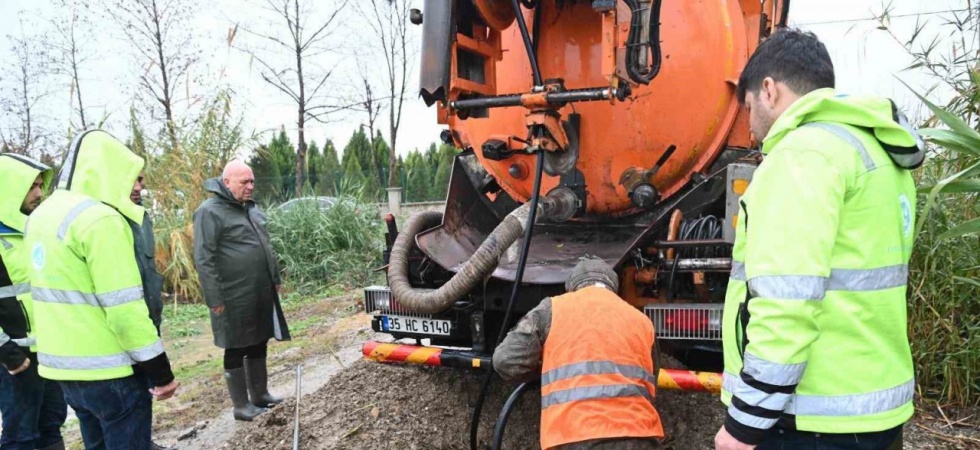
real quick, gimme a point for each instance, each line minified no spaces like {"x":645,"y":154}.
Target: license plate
{"x":415,"y":325}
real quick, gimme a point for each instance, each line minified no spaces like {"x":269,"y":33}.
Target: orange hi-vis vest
{"x":597,"y":379}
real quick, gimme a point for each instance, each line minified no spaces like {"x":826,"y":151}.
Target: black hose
{"x":707,"y":227}
{"x":784,"y":15}
{"x":634,"y":44}
{"x":498,"y":429}
{"x":528,"y":45}
{"x":521,"y":264}
{"x":531,"y":49}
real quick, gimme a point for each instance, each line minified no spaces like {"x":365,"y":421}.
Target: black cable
{"x":521,"y":264}
{"x":528,"y":45}
{"x":498,"y":429}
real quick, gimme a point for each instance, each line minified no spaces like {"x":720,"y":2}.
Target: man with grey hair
{"x":240,"y":280}
{"x":594,"y":354}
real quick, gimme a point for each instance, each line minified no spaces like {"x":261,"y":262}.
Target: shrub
{"x":318,"y":247}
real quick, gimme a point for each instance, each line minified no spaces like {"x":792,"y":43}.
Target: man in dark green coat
{"x":240,"y":280}
{"x":145,"y":247}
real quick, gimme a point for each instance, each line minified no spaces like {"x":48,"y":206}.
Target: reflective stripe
{"x":773,"y":373}
{"x":47,"y":295}
{"x":85,"y":362}
{"x":868,"y":279}
{"x":595,"y":393}
{"x":110,"y":299}
{"x":4,"y":338}
{"x":596,"y":368}
{"x":72,"y":215}
{"x":808,"y":287}
{"x":738,"y":271}
{"x":147,"y":353}
{"x":750,"y":420}
{"x":103,"y":361}
{"x":6,"y":245}
{"x":753,"y":396}
{"x":121,"y":296}
{"x":26,"y":342}
{"x":789,"y":287}
{"x":847,"y":136}
{"x":15,"y":290}
{"x":852,"y":405}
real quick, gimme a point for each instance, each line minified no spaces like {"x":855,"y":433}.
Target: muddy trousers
{"x":780,"y":439}
{"x":234,"y":357}
{"x":33,"y":410}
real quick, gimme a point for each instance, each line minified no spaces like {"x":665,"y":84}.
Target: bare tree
{"x":303,"y":43}
{"x":27,"y":75}
{"x":158,"y":31}
{"x":388,"y":20}
{"x":369,"y":103}
{"x":68,"y":54}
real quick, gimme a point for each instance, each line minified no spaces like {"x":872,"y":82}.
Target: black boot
{"x":258,"y":383}
{"x":155,"y":446}
{"x":239,"y":395}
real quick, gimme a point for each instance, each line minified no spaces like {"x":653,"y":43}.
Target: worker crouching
{"x":594,"y":353}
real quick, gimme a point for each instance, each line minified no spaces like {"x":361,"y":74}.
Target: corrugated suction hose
{"x":476,"y":269}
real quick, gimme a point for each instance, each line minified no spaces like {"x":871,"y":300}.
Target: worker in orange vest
{"x":594,"y":353}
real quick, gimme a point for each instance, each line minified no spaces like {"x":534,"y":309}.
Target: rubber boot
{"x":58,"y":446}
{"x":243,"y":410}
{"x":258,"y":383}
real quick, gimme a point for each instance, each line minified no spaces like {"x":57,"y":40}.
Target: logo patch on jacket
{"x":906,"y":214}
{"x":37,"y":256}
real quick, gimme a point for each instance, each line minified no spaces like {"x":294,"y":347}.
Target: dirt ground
{"x":348,"y":403}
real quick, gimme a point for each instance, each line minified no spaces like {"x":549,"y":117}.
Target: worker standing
{"x":816,"y":350}
{"x":240,"y":280}
{"x":145,"y":247}
{"x":33,"y":409}
{"x":94,"y":333}
{"x":594,"y":354}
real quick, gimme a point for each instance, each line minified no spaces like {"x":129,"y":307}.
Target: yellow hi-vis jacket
{"x":17,"y":175}
{"x":815,"y":313}
{"x":91,"y":320}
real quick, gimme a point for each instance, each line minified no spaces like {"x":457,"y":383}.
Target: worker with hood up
{"x":94,"y":333}
{"x":815,"y":323}
{"x":33,"y":409}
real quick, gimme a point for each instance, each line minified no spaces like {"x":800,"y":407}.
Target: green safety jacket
{"x":91,"y":320}
{"x":815,"y":313}
{"x":17,"y":175}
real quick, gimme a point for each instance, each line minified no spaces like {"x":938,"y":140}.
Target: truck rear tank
{"x":644,"y":149}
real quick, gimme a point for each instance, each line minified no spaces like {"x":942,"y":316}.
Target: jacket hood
{"x":18,"y":174}
{"x":875,"y":114}
{"x":216,"y":187}
{"x":100,"y":166}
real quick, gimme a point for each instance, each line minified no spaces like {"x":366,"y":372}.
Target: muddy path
{"x":349,"y":403}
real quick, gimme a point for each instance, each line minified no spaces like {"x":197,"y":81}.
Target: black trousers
{"x":234,"y":356}
{"x":780,"y":439}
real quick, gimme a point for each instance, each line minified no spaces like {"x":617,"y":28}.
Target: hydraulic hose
{"x":475,"y":270}
{"x":531,"y":48}
{"x":498,"y":430}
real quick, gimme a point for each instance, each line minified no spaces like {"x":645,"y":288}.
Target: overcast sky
{"x":866,"y":60}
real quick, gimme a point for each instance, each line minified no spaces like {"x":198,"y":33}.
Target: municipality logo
{"x":37,"y":256}
{"x":906,"y":207}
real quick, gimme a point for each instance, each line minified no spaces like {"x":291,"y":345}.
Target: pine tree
{"x":331,"y":173}
{"x":444,"y":169}
{"x":314,"y":164}
{"x":359,"y":149}
{"x":419,"y":178}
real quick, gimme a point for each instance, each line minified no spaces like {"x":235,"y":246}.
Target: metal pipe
{"x":706,"y":264}
{"x":508,"y":100}
{"x":692,"y":243}
{"x":672,"y":379}
{"x":299,"y":394}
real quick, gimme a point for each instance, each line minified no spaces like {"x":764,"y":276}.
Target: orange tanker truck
{"x":607,"y":128}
